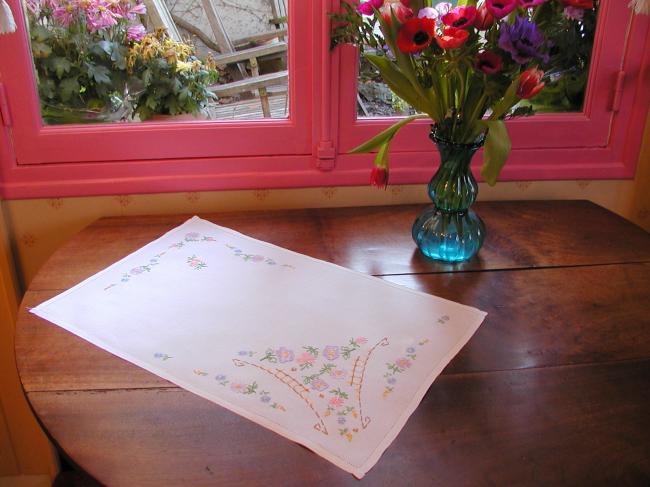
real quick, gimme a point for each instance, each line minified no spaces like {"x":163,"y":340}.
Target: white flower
{"x":640,"y":6}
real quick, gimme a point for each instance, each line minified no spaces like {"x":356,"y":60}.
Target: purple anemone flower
{"x":523,"y":40}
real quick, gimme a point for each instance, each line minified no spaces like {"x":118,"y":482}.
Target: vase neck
{"x":453,"y":187}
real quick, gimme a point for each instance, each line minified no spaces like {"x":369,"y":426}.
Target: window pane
{"x":571,"y":34}
{"x":137,"y":60}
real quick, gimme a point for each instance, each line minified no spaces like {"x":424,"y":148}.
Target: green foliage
{"x":80,"y":71}
{"x":166,"y":77}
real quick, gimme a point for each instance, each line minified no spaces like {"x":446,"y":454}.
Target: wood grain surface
{"x":552,"y":389}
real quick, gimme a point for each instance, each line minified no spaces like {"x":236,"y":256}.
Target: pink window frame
{"x":309,"y":149}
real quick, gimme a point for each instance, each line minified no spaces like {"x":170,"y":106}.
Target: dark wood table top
{"x":554,"y":388}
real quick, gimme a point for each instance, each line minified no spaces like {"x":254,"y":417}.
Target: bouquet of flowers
{"x":467,"y":67}
{"x":171,"y":79}
{"x":80,"y":49}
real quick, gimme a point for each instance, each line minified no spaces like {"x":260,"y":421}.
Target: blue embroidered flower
{"x":265,"y":399}
{"x":220,"y":377}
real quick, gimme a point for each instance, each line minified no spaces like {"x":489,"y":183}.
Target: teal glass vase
{"x":450,"y":230}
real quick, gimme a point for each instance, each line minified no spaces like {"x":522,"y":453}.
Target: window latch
{"x":5,"y":115}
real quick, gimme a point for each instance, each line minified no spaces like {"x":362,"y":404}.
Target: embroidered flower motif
{"x":306,"y":359}
{"x":403,"y":363}
{"x":338,"y":374}
{"x":162,"y":356}
{"x":265,"y":399}
{"x":237,"y":387}
{"x":195,"y":263}
{"x":192,"y":237}
{"x":336,"y":402}
{"x":319,"y":384}
{"x":361,"y":340}
{"x":331,"y":352}
{"x":139,"y":270}
{"x":257,"y":258}
{"x":341,"y":420}
{"x":391,"y":380}
{"x":284,"y":355}
{"x":220,"y":377}
{"x":410,"y":349}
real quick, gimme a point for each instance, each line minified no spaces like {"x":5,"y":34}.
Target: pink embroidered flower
{"x":336,"y":402}
{"x":306,"y":358}
{"x":403,"y":363}
{"x":331,"y":352}
{"x":319,"y":384}
{"x":138,"y":270}
{"x":136,"y":32}
{"x":360,"y":340}
{"x":284,"y":355}
{"x":192,"y":236}
{"x":257,"y":258}
{"x":237,"y":387}
{"x":338,"y":374}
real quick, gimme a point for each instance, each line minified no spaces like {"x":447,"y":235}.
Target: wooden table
{"x":554,"y":388}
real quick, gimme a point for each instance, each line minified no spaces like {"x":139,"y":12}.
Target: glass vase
{"x":450,"y":230}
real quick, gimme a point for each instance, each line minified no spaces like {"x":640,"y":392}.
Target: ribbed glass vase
{"x":450,"y":230}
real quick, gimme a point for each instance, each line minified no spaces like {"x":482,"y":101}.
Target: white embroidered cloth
{"x":328,"y":357}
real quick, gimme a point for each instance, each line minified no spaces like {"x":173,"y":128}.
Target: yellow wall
{"x":39,"y":226}
{"x":24,"y":450}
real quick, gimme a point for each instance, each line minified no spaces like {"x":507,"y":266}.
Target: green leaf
{"x":61,"y":66}
{"x":384,"y":136}
{"x":381,"y":159}
{"x":40,"y":33}
{"x":399,"y":84}
{"x":101,"y":74}
{"x":40,"y":50}
{"x":68,"y":87}
{"x":507,"y":102}
{"x":497,"y":149}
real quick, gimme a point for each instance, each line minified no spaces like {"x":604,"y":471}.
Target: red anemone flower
{"x":500,"y":8}
{"x":484,"y":19}
{"x":530,"y":83}
{"x":452,"y":38}
{"x":416,"y":34}
{"x":460,"y":17}
{"x":379,"y":177}
{"x":489,"y":62}
{"x":402,"y":12}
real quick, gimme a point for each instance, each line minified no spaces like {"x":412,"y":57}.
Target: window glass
{"x":571,"y":38}
{"x":147,"y":60}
